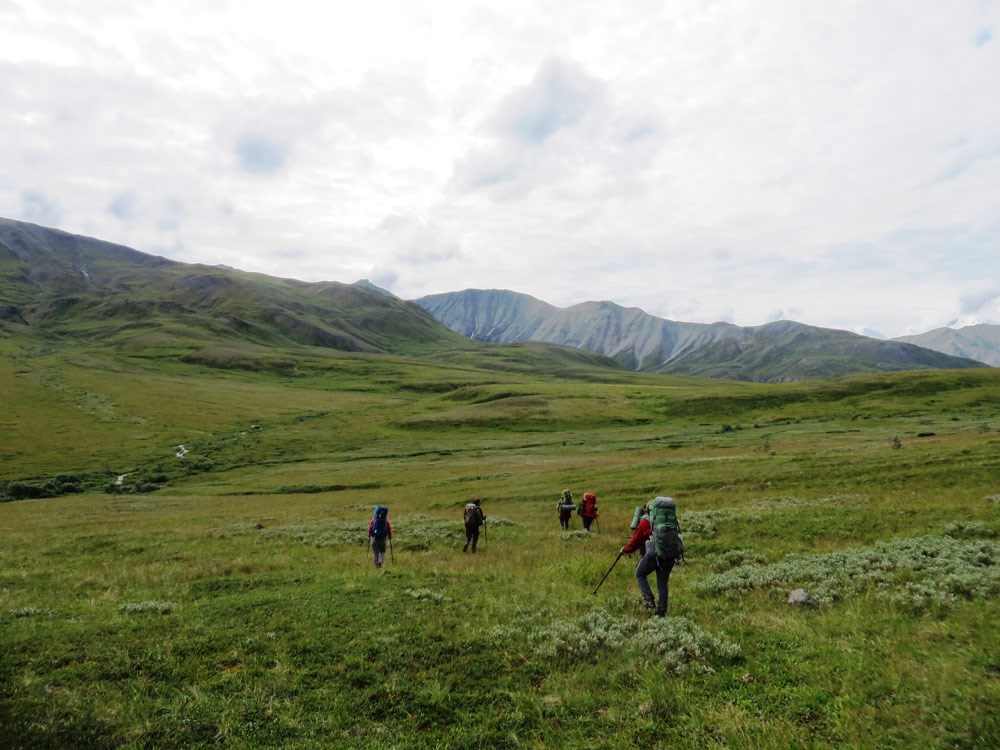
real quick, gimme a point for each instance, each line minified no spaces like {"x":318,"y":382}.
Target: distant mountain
{"x":57,"y":286}
{"x":633,"y":338}
{"x":62,"y":285}
{"x":776,"y":352}
{"x":981,"y":342}
{"x":786,"y":351}
{"x":365,"y":283}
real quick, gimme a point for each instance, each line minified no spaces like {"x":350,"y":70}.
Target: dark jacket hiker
{"x":565,"y":506}
{"x":379,"y":529}
{"x":474,"y":518}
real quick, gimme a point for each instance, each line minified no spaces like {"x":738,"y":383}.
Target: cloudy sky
{"x":835,"y":162}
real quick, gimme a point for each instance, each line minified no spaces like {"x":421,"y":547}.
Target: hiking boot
{"x":466,"y":548}
{"x":648,"y":602}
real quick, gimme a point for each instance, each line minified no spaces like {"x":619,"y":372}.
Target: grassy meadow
{"x":225,"y":597}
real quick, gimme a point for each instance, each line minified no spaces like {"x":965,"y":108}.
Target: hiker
{"x":642,"y":530}
{"x":379,"y":529}
{"x":565,"y":506}
{"x":663,"y":547}
{"x":474,"y":518}
{"x":588,"y":509}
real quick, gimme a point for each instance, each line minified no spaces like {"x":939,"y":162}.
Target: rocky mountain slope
{"x":635,"y":339}
{"x":782,"y":351}
{"x":980,"y":342}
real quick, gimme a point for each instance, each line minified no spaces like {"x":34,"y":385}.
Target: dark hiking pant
{"x":471,"y":536}
{"x":564,"y":516}
{"x":648,"y":564}
{"x":378,"y":550}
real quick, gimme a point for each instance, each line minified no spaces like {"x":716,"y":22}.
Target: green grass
{"x":226,"y":598}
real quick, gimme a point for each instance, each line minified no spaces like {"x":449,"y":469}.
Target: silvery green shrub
{"x":703,"y":522}
{"x":734,"y":558}
{"x":31,"y":612}
{"x":154,"y":606}
{"x":966,"y":569}
{"x":425,"y":594}
{"x":675,"y":644}
{"x":969,"y":530}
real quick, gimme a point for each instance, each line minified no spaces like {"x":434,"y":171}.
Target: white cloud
{"x":39,"y":208}
{"x":838,"y":162}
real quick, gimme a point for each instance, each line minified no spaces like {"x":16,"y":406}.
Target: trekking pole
{"x":392,"y":555}
{"x":486,"y":536}
{"x":609,"y":570}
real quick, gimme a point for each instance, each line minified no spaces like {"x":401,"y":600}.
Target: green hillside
{"x":184,"y":559}
{"x":189,"y":458}
{"x":75,"y":288}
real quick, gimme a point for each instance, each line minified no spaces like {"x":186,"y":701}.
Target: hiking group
{"x":380,"y":530}
{"x":587,"y":510}
{"x":655,"y":533}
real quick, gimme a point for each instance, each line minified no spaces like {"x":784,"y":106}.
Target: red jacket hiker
{"x":588,"y":509}
{"x":638,"y":541}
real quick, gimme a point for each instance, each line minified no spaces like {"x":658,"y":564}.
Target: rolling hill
{"x":56,"y":284}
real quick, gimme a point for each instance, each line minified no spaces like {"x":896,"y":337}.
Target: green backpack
{"x":666,"y":531}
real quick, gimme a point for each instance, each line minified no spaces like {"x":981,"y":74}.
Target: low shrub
{"x":734,"y":558}
{"x":969,"y":530}
{"x":967,"y":569}
{"x":674,"y":644}
{"x":153,"y":606}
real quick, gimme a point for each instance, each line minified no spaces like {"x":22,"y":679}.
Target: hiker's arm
{"x":638,"y":538}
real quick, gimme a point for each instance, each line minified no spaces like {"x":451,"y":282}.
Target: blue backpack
{"x":380,"y":527}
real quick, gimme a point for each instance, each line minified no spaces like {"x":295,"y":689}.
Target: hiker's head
{"x":475,"y":500}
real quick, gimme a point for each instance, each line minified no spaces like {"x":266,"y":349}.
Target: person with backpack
{"x":642,"y":530}
{"x":379,"y":529}
{"x":588,"y":509}
{"x":664,"y":547}
{"x":565,"y":506}
{"x":474,"y":518}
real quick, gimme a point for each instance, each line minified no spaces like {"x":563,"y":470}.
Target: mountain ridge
{"x":778,"y":351}
{"x":65,"y":286}
{"x":980,"y":341}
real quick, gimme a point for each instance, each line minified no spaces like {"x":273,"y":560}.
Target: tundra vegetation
{"x":222,"y":595}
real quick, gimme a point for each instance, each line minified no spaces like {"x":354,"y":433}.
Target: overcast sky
{"x":827,"y":161}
